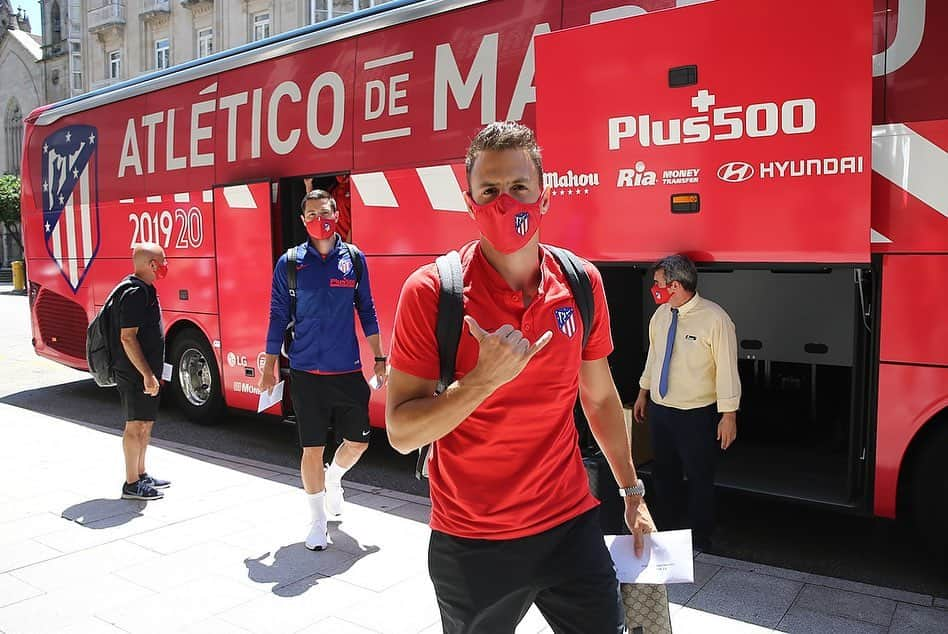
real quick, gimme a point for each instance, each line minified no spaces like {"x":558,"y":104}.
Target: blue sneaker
{"x":157,"y":483}
{"x":140,"y":490}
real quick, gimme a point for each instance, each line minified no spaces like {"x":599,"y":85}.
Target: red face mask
{"x":661,"y":294}
{"x":321,"y":228}
{"x":161,"y":271}
{"x":507,"y":223}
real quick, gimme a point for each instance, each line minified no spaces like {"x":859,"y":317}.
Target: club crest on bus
{"x":70,"y":200}
{"x":522,"y":222}
{"x":565,"y":321}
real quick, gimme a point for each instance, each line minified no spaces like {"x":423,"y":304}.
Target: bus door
{"x":243,"y":225}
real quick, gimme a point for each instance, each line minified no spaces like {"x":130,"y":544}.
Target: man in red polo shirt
{"x":513,"y":521}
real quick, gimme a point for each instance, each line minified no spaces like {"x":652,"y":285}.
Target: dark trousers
{"x":486,"y":586}
{"x":685,"y":443}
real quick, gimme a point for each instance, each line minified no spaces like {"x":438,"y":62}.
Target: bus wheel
{"x":930,"y":490}
{"x":196,"y":380}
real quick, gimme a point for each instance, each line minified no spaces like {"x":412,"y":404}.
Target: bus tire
{"x":195,"y":378}
{"x":930,"y":490}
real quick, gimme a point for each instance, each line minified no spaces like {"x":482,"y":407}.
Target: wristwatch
{"x":381,"y":359}
{"x":637,"y":490}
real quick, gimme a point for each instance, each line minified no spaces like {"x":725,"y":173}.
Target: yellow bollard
{"x":19,"y":275}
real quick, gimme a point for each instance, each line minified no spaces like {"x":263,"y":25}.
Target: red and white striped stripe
{"x":75,"y":236}
{"x":204,"y":196}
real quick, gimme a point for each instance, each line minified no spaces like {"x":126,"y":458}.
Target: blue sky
{"x":33,"y":11}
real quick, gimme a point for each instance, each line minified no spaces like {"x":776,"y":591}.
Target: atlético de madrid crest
{"x":345,"y":266}
{"x":70,"y":200}
{"x":565,"y":321}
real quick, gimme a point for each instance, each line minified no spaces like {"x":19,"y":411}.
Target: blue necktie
{"x":669,"y":345}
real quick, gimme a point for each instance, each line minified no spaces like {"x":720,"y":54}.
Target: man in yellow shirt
{"x":691,"y":376}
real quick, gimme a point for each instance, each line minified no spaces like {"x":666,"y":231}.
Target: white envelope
{"x":166,"y":370}
{"x":666,"y":558}
{"x":269,"y":399}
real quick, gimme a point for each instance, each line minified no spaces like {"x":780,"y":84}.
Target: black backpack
{"x":450,"y":321}
{"x":102,"y":336}
{"x":290,"y":333}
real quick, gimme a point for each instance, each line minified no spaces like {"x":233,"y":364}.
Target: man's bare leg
{"x":132,"y":446}
{"x":346,"y":456}
{"x":314,"y":483}
{"x":145,"y":439}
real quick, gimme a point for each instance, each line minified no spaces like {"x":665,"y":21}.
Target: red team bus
{"x":798,"y":151}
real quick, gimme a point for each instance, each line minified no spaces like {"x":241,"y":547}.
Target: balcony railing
{"x":55,"y":49}
{"x":155,"y":7}
{"x":108,"y":15}
{"x":193,"y":4}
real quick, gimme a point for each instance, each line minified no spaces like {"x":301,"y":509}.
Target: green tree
{"x":10,"y":205}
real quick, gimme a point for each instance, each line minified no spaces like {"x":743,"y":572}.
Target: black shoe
{"x":140,"y":490}
{"x":155,"y":482}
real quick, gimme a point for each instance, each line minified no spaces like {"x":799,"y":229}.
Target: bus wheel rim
{"x":194,"y":374}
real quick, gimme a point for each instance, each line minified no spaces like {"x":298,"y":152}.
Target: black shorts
{"x":321,"y":401}
{"x":136,"y":405}
{"x":486,"y":586}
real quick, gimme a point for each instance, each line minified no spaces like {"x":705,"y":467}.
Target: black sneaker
{"x":157,"y":483}
{"x":141,"y":490}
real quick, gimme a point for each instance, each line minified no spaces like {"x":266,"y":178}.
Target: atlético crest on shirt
{"x":70,"y":200}
{"x":345,"y":266}
{"x":565,"y":321}
{"x":522,"y":222}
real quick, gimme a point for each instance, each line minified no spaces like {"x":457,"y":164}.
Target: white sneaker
{"x":317,"y":538}
{"x":334,"y":499}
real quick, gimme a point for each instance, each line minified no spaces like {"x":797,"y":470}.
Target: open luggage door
{"x":733,"y":131}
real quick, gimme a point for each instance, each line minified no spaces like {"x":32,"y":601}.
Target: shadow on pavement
{"x":240,"y":434}
{"x":104,"y":513}
{"x":291,"y":571}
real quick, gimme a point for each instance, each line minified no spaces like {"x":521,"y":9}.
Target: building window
{"x":162,"y":53}
{"x":327,"y":9}
{"x":14,"y":130}
{"x":115,"y":64}
{"x":261,"y":26}
{"x":205,"y":42}
{"x":75,"y":64}
{"x":55,"y":23}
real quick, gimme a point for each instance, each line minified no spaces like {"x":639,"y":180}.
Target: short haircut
{"x":678,"y":268}
{"x":504,"y":135}
{"x":317,"y":194}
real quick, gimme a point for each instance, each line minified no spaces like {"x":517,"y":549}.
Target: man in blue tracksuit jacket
{"x":326,"y":381}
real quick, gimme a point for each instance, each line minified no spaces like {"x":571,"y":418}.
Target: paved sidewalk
{"x":223,"y":553}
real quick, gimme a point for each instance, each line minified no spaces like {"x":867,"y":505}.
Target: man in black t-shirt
{"x":138,"y":365}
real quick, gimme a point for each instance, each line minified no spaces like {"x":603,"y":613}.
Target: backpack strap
{"x":450,"y":322}
{"x":579,"y":284}
{"x":291,"y":281}
{"x":356,"y":256}
{"x":450,"y":315}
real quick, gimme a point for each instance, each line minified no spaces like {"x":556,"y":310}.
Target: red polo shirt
{"x":513,"y":467}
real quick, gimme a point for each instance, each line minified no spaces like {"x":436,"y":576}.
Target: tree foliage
{"x":10,"y":205}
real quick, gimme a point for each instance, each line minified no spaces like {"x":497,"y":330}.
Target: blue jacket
{"x":326,"y":293}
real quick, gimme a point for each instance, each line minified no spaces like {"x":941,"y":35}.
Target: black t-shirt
{"x":138,"y":308}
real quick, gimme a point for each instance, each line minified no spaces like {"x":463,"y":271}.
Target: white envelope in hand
{"x":666,"y":558}
{"x":269,"y":399}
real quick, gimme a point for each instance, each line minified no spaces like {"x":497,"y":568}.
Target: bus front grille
{"x":62,"y":323}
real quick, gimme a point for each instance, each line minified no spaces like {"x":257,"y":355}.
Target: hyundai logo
{"x":735,"y":172}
